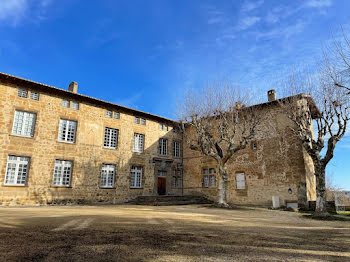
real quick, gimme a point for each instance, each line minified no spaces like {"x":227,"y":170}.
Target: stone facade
{"x":275,"y":166}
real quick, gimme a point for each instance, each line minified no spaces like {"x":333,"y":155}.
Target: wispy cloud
{"x":12,"y":12}
{"x":246,"y":19}
{"x":318,"y":3}
{"x":247,"y":22}
{"x":251,"y":5}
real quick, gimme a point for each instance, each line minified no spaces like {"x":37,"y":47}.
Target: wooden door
{"x":161,"y":185}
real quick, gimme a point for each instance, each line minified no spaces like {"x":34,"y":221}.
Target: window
{"x":161,"y":173}
{"x":136,"y":177}
{"x":62,"y":173}
{"x":163,"y":127}
{"x":137,"y":120}
{"x":116,"y":115}
{"x":176,"y":179}
{"x":34,"y":96}
{"x":23,"y":123}
{"x":75,"y":105}
{"x":254,"y":145}
{"x":111,"y":138}
{"x":208,"y":177}
{"x":211,"y":177}
{"x":163,"y":144}
{"x":67,"y":130}
{"x":139,"y":141}
{"x":22,"y":92}
{"x":176,"y":149}
{"x":17,"y":171}
{"x":143,"y":121}
{"x":240,"y":181}
{"x":109,"y":113}
{"x":107,"y":175}
{"x":65,"y":103}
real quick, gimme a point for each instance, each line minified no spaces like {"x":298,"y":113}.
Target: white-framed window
{"x":24,"y":123}
{"x":176,"y":148}
{"x":116,"y":115}
{"x":205,"y":177}
{"x":62,"y":174}
{"x":143,"y":121}
{"x":163,"y":127}
{"x":75,"y":105}
{"x":67,"y":131}
{"x":22,"y":92}
{"x":163,"y":146}
{"x":17,"y":171}
{"x":107,"y":175}
{"x":34,"y":95}
{"x":136,"y":177}
{"x":208,"y":177}
{"x":109,"y":114}
{"x":137,"y":120}
{"x":139,"y":141}
{"x":111,"y":138}
{"x":240,"y":180}
{"x":65,"y":103}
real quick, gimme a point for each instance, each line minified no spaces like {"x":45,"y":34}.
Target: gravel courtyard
{"x":172,"y":233}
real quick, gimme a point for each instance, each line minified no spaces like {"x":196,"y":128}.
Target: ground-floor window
{"x":62,"y":173}
{"x":209,"y":177}
{"x":177,"y":178}
{"x":107,"y":175}
{"x":17,"y":170}
{"x":136,"y":177}
{"x":240,"y":180}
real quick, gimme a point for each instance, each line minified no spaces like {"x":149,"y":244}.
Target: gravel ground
{"x":173,"y":233}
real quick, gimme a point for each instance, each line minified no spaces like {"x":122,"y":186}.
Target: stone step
{"x":169,"y":200}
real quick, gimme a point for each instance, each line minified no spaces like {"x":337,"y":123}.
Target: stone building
{"x":59,"y":146}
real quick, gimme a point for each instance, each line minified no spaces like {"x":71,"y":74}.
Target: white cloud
{"x":247,"y":22}
{"x":251,"y":5}
{"x":318,"y":3}
{"x":12,"y":12}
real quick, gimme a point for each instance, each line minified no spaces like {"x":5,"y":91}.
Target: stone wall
{"x":87,"y":153}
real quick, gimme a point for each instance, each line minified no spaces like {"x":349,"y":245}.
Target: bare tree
{"x":218,"y":123}
{"x":320,"y":121}
{"x":336,"y":58}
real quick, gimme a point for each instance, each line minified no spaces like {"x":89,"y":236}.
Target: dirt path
{"x":180,"y":233}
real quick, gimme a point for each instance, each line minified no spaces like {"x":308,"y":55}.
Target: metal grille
{"x":22,"y":92}
{"x":34,"y":96}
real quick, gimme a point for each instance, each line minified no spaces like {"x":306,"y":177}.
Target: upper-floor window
{"x":116,"y":115}
{"x":22,"y":92}
{"x":163,"y":146}
{"x":67,"y":131}
{"x":62,"y":173}
{"x":111,"y":138}
{"x":65,"y":103}
{"x":34,"y":96}
{"x":163,"y":127}
{"x":139,"y":120}
{"x":176,"y":149}
{"x":139,"y":141}
{"x":24,"y":123}
{"x":240,"y":180}
{"x":136,"y":177}
{"x":107,"y":175}
{"x":109,"y":114}
{"x":17,"y":170}
{"x":75,"y":105}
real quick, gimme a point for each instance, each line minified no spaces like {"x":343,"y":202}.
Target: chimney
{"x":271,"y":95}
{"x":73,"y":87}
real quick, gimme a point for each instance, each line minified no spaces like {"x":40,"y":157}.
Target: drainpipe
{"x":182,"y":163}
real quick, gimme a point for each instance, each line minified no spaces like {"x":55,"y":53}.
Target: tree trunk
{"x":222,"y":185}
{"x":320,"y":173}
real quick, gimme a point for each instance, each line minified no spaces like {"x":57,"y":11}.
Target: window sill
{"x":136,"y":187}
{"x":101,"y":187}
{"x":31,"y":137}
{"x":4,"y":185}
{"x":65,"y":142}
{"x":110,"y":148}
{"x":61,"y":187}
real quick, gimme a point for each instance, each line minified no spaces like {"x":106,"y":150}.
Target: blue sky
{"x":144,"y":54}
